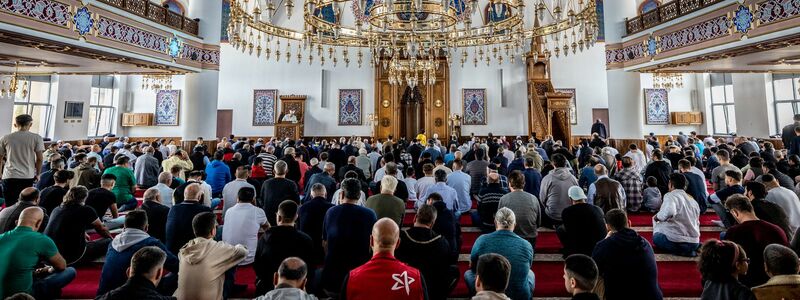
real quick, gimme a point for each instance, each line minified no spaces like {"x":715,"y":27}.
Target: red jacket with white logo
{"x":386,"y":278}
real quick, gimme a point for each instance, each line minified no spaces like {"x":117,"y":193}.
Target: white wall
{"x":144,"y":101}
{"x":6,"y":114}
{"x":750,"y":103}
{"x":680,"y":100}
{"x":586,"y":73}
{"x":77,"y":88}
{"x":240,"y":74}
{"x":511,"y":119}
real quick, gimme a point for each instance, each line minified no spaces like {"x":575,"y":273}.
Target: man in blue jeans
{"x":508,"y":244}
{"x":22,"y":249}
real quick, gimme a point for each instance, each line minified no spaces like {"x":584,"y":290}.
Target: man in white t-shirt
{"x":22,"y":150}
{"x":242,"y":223}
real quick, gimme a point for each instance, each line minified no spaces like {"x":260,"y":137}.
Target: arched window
{"x":496,"y":12}
{"x":648,"y":5}
{"x":174,"y":6}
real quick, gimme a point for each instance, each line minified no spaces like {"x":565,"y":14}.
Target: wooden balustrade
{"x":156,"y":13}
{"x":664,"y":13}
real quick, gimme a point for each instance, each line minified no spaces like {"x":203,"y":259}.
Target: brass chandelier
{"x":410,"y":38}
{"x":157,"y":82}
{"x":667,"y":81}
{"x":9,"y":86}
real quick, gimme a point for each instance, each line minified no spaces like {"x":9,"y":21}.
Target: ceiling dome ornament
{"x":410,"y":38}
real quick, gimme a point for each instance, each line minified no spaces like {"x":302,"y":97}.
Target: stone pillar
{"x":750,"y":105}
{"x":625,"y":103}
{"x":199,"y":104}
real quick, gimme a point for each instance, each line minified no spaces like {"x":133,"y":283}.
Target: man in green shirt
{"x":125,"y":184}
{"x":22,"y":249}
{"x":386,"y":204}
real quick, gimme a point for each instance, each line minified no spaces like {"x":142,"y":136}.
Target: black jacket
{"x":157,"y":219}
{"x":137,"y":288}
{"x":628,"y":266}
{"x":293,"y":172}
{"x":424,"y":249}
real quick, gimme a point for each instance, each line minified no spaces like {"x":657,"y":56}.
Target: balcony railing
{"x":666,"y":12}
{"x":156,"y":13}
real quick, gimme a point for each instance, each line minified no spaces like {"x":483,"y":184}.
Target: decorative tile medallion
{"x":197,"y":54}
{"x":474,"y":107}
{"x":47,"y":11}
{"x":743,"y":19}
{"x":656,"y":103}
{"x":83,"y":20}
{"x":121,"y":32}
{"x":168,"y":104}
{"x":264,"y":102}
{"x":350,"y":107}
{"x":652,"y":46}
{"x":174,"y":47}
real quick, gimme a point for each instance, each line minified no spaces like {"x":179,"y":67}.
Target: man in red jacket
{"x":384,"y":277}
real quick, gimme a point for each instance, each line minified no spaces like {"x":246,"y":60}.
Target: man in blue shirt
{"x":218,"y":174}
{"x":733,"y":181}
{"x":449,"y":194}
{"x":435,"y":153}
{"x":508,"y":244}
{"x":533,"y":179}
{"x":460,"y":182}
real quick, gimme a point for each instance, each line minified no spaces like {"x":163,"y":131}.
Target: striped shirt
{"x":268,"y":163}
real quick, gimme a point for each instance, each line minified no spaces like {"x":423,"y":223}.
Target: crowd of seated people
{"x":325,"y":219}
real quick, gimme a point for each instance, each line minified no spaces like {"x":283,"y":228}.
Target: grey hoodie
{"x":128,"y":238}
{"x":287,"y":293}
{"x":554,"y":191}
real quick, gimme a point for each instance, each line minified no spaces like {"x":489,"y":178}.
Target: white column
{"x":750,"y":105}
{"x":199,"y":104}
{"x":625,"y":103}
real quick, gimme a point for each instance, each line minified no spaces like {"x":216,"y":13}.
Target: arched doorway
{"x":412,"y":113}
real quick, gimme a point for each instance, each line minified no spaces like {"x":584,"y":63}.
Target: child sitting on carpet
{"x":652,"y":195}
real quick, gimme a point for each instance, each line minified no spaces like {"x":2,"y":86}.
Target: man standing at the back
{"x":22,"y":151}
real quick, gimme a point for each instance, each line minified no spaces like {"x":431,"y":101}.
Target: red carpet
{"x":547,"y":242}
{"x":549,"y":282}
{"x":637,"y":219}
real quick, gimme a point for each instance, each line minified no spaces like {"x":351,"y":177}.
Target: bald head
{"x":330,"y":168}
{"x":31,"y":217}
{"x":600,"y":170}
{"x":192,"y":192}
{"x":29,"y":194}
{"x":385,"y":236}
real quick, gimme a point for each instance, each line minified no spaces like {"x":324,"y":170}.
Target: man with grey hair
{"x":782,"y":266}
{"x":506,"y":243}
{"x":401,"y":190}
{"x":608,"y":188}
{"x":293,"y":167}
{"x":146,"y":169}
{"x":157,"y":213}
{"x":268,"y":160}
{"x":290,"y":281}
{"x":164,"y":181}
{"x":325,"y":178}
{"x":277,"y":189}
{"x":386,"y":204}
{"x":363,"y":162}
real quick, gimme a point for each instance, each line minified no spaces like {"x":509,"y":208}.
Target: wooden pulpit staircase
{"x":548,"y":110}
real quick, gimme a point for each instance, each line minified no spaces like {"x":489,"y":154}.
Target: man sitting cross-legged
{"x":676,"y":227}
{"x":514,"y":248}
{"x":290,"y":281}
{"x":123,"y":248}
{"x":22,"y":249}
{"x":203,"y":261}
{"x":145,"y":273}
{"x":583,"y":225}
